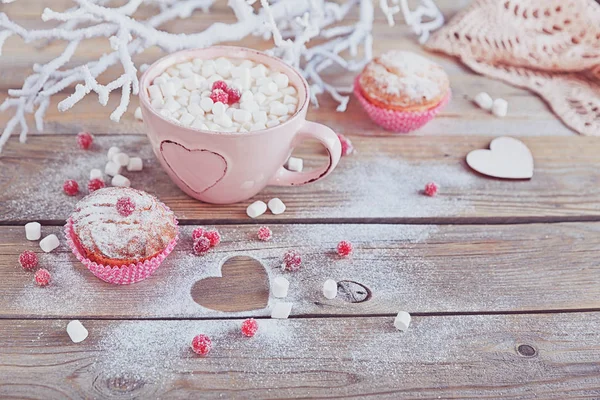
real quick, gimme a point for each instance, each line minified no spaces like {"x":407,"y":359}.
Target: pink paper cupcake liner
{"x":119,"y":275}
{"x":398,"y":121}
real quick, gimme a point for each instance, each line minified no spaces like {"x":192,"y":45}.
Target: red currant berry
{"x":220,"y":85}
{"x":234,"y":95}
{"x":125,"y":206}
{"x":95,"y":184}
{"x":85,"y":140}
{"x":214,"y":237}
{"x":197,"y":233}
{"x":28,"y":260}
{"x":431,"y":189}
{"x":71,"y":187}
{"x":201,"y":344}
{"x":249,"y":327}
{"x":201,"y":246}
{"x":344,"y":248}
{"x":219,"y":96}
{"x":347,"y":147}
{"x":264,"y":233}
{"x":42,"y":277}
{"x":292,"y":260}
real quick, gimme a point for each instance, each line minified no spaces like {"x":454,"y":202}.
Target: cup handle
{"x":328,"y":139}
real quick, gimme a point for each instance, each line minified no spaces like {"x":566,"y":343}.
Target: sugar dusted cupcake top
{"x":404,"y":81}
{"x":120,"y":226}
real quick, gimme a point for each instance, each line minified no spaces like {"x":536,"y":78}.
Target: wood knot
{"x":124,"y":384}
{"x":526,"y":350}
{"x":353,"y":292}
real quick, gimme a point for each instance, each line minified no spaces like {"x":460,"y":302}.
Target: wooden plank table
{"x":502,"y":277}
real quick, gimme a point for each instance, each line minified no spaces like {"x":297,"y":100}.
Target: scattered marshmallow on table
{"x":484,"y":101}
{"x":182,"y":94}
{"x":33,"y":231}
{"x":135,"y":164}
{"x":256,"y":209}
{"x":120,"y":181}
{"x":49,"y":243}
{"x":276,"y":206}
{"x":330,"y":289}
{"x":295,"y":164}
{"x":121,"y":159}
{"x":402,"y":321}
{"x":281,"y":310}
{"x":500,"y":108}
{"x":77,"y":332}
{"x":95,"y":173}
{"x":112,"y":151}
{"x":138,"y":114}
{"x":280,"y":287}
{"x":112,"y":168}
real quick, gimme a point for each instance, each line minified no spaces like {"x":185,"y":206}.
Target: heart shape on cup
{"x":242,"y":286}
{"x":507,"y":158}
{"x":198,"y":169}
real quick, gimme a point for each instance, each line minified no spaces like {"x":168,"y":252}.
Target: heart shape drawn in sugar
{"x":507,"y":158}
{"x":198,"y":169}
{"x":242,"y":286}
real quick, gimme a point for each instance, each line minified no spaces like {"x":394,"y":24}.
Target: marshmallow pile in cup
{"x":223,"y":95}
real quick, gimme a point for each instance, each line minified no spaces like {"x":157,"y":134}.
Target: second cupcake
{"x":121,"y":234}
{"x":402,"y":91}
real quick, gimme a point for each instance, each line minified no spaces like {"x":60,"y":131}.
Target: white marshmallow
{"x":290,"y":99}
{"x":207,"y":104}
{"x":173,"y":71}
{"x":272,"y":123}
{"x":154,"y":92}
{"x":224,"y":120}
{"x":289,"y":90}
{"x":241,"y":116}
{"x":284,"y":118}
{"x":183,"y":93}
{"x":195,"y":109}
{"x":484,"y":101}
{"x":157,"y":103}
{"x":330,"y":289}
{"x":120,"y":181}
{"x":168,"y":89}
{"x":281,"y":310}
{"x":206,"y":93}
{"x":112,"y":168}
{"x":269,"y":89}
{"x":247,"y":96}
{"x":260,"y":98}
{"x":259,"y":116}
{"x":197,"y":62}
{"x":260,"y":71}
{"x":229,"y":111}
{"x":158,"y":80}
{"x":208,"y":68}
{"x":185,"y":73}
{"x":186,"y":65}
{"x":258,"y":126}
{"x":135,"y":164}
{"x":278,"y":108}
{"x":195,"y":98}
{"x":249,"y":106}
{"x":223,"y":67}
{"x":112,"y":151}
{"x":280,"y":287}
{"x":274,"y":97}
{"x":218,"y":108}
{"x":33,"y":231}
{"x":191,"y":83}
{"x":281,"y":80}
{"x":276,"y":206}
{"x":256,"y":209}
{"x":177,"y":83}
{"x":186,"y":119}
{"x":500,"y":108}
{"x":199,"y":124}
{"x":77,"y":331}
{"x":213,"y":78}
{"x":95,"y":174}
{"x":246,"y":64}
{"x":138,"y":114}
{"x":291,"y":108}
{"x":402,"y":321}
{"x":172,"y":105}
{"x":165,"y":113}
{"x":121,"y":159}
{"x":184,"y":101}
{"x":295,"y":164}
{"x":49,"y":243}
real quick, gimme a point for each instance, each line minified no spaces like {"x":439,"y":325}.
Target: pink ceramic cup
{"x":223,"y":167}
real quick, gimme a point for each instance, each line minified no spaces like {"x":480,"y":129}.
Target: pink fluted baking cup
{"x":398,"y":121}
{"x":124,"y":274}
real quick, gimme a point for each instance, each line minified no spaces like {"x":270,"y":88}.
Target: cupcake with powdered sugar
{"x":121,"y":234}
{"x":402,"y":91}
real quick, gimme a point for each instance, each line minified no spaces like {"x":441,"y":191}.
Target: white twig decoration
{"x":291,"y":23}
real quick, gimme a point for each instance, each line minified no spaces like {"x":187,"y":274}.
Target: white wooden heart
{"x":507,"y":158}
